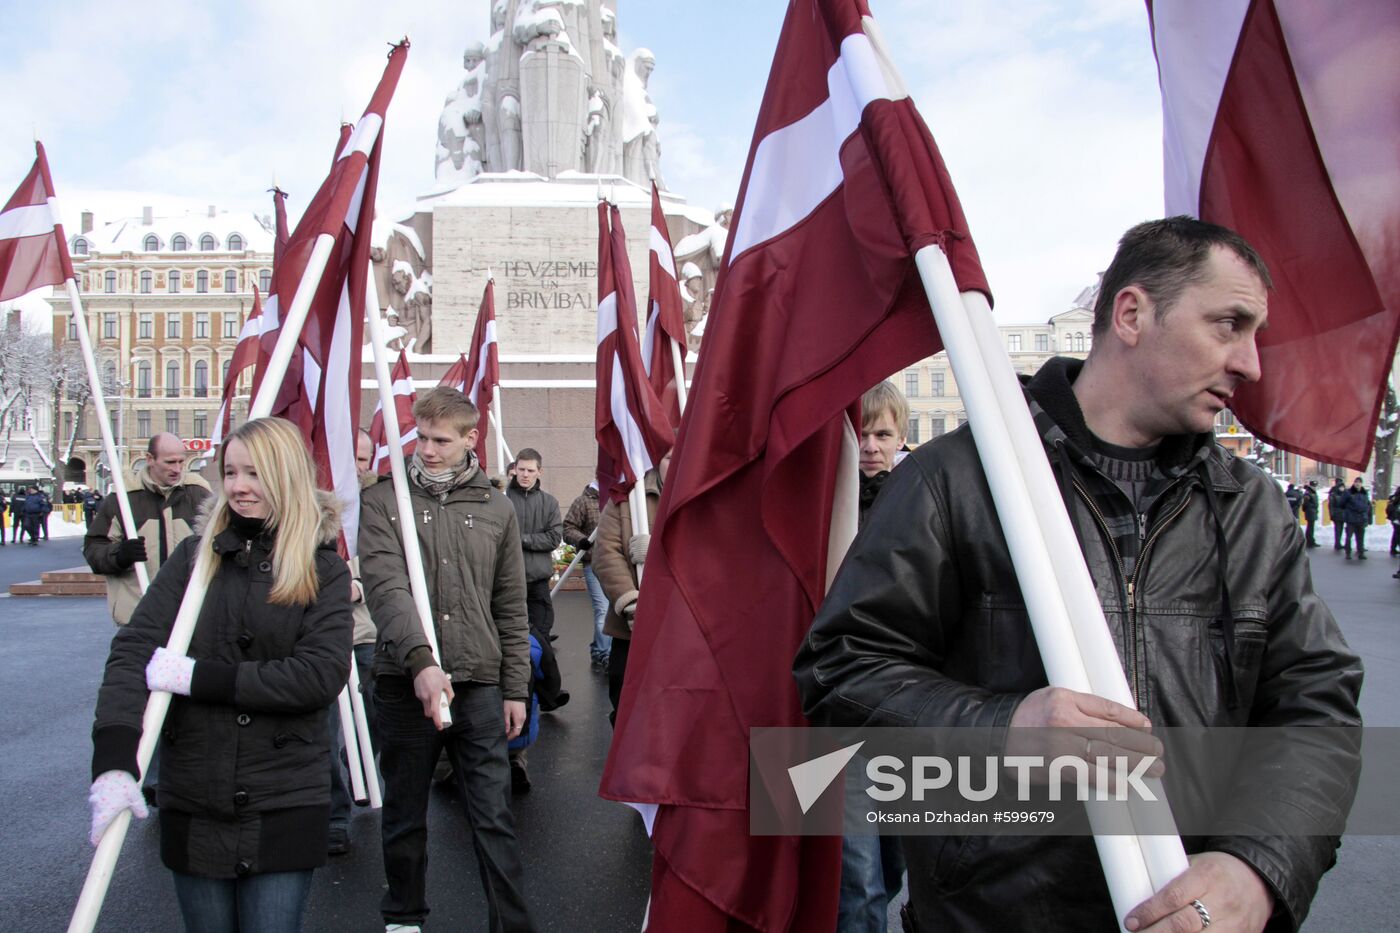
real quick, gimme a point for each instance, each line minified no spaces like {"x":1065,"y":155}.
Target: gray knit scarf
{"x":440,"y":484}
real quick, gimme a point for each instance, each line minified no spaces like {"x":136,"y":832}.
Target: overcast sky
{"x":1046,"y":111}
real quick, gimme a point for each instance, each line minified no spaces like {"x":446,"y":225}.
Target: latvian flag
{"x":633,"y":432}
{"x":245,"y":354}
{"x":33,"y":252}
{"x":483,"y":372}
{"x":404,"y":397}
{"x":1282,"y":121}
{"x":665,"y":320}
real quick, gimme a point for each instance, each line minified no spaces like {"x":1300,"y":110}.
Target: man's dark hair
{"x":530,"y":453}
{"x":1163,"y":257}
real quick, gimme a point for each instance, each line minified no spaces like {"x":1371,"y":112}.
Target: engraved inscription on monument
{"x":548,"y":285}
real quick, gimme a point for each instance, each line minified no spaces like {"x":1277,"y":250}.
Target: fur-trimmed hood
{"x":136,"y":480}
{"x":329,"y":527}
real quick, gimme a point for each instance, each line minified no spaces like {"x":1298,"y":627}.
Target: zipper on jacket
{"x":1130,"y":586}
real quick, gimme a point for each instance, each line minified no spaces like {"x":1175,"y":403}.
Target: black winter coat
{"x":245,"y":760}
{"x":925,"y":626}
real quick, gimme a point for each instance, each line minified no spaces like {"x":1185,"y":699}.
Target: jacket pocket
{"x":1251,"y":636}
{"x":1008,"y":660}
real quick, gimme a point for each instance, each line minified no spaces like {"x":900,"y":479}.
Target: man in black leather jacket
{"x":1203,"y":578}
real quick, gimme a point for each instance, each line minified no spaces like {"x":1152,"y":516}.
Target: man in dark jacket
{"x":470,"y":541}
{"x":1356,"y":511}
{"x":17,"y":514}
{"x":165,"y":500}
{"x":579,"y":525}
{"x":1336,"y":499}
{"x":1198,"y":565}
{"x":1294,"y":495}
{"x":1310,"y":512}
{"x":36,"y":508}
{"x":541,"y":531}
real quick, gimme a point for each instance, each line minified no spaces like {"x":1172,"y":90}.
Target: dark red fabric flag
{"x":817,"y":301}
{"x":484,"y":367}
{"x":633,"y":431}
{"x":665,"y":319}
{"x":1285,"y":127}
{"x":245,"y":354}
{"x":33,"y":251}
{"x":404,"y":397}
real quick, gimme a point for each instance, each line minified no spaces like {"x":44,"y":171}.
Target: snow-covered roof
{"x":128,"y":234}
{"x":570,"y":188}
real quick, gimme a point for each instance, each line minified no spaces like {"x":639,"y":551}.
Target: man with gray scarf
{"x":470,"y":542}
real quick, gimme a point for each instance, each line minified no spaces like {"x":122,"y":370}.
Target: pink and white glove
{"x":170,"y":672}
{"x":113,"y":792}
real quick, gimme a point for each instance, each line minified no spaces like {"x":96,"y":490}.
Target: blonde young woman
{"x":244,"y":799}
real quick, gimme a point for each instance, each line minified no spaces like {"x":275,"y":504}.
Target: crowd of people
{"x":251,"y":788}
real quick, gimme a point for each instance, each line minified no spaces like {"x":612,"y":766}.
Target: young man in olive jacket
{"x":1204,"y":582}
{"x":470,"y":542}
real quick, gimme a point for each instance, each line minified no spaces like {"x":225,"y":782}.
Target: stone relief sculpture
{"x":550,"y":92}
{"x":699,"y":257}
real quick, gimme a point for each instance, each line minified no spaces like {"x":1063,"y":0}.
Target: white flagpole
{"x":503,"y":454}
{"x":357,"y":705}
{"x":578,"y":556}
{"x":351,"y":740}
{"x":104,"y":424}
{"x":104,"y":860}
{"x":412,"y":551}
{"x":681,"y":390}
{"x":1124,"y":863}
{"x":641,"y":523}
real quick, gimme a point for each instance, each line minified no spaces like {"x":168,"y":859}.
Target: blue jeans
{"x":270,"y":903}
{"x":602,"y":644}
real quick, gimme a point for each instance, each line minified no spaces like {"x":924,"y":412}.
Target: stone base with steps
{"x":75,"y":581}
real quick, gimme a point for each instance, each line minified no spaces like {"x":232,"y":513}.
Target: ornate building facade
{"x":165,"y":298}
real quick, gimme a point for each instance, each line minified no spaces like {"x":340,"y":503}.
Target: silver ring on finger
{"x":1201,"y":912}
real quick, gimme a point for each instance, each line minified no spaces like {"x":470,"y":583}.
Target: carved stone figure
{"x":461,"y":151}
{"x":512,"y":144}
{"x":639,"y":118}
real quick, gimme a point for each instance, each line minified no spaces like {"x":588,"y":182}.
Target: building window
{"x":174,"y":281}
{"x":911,"y":384}
{"x":80,"y":246}
{"x":72,"y":328}
{"x":913,"y":437}
{"x":1013,"y":343}
{"x":201,"y":423}
{"x":109,"y":326}
{"x":152,"y":243}
{"x":201,"y":325}
{"x":208,"y":243}
{"x":145,"y":325}
{"x":172,"y":420}
{"x":230,"y":325}
{"x":143,"y":379}
{"x":937,"y":426}
{"x":143,"y":422}
{"x":1042,"y":343}
{"x":230,"y":280}
{"x":146,"y":278}
{"x":172,"y":326}
{"x":172,"y":379}
{"x":1078,"y":343}
{"x":227,"y":364}
{"x":67,"y":424}
{"x":109,"y":282}
{"x":201,"y":379}
{"x":938,"y":389}
{"x":235,"y":243}
{"x":265,"y":281}
{"x":962,"y":419}
{"x":201,"y":281}
{"x":179,"y":243}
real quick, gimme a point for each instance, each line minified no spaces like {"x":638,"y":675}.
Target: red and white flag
{"x":245,"y":354}
{"x":633,"y":431}
{"x":817,"y":301}
{"x":484,"y":367}
{"x":1281,"y":121}
{"x":33,"y":251}
{"x":404,"y":397}
{"x":330,"y":342}
{"x":456,"y":375}
{"x":665,"y":319}
{"x":271,"y":320}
